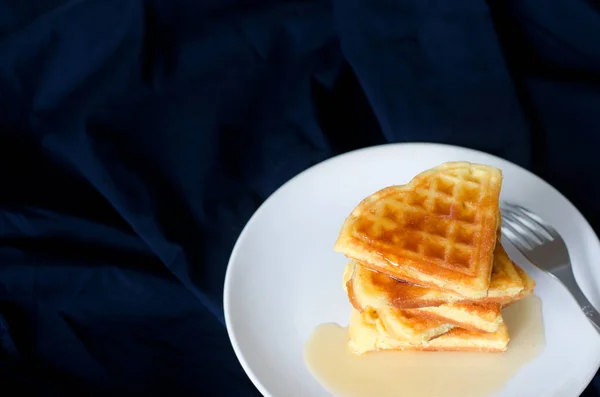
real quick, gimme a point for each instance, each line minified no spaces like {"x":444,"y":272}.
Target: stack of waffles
{"x":427,"y":270}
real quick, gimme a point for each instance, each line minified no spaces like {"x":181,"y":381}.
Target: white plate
{"x":283,"y":278}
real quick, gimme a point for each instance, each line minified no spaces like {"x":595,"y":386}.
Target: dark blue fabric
{"x":137,"y":138}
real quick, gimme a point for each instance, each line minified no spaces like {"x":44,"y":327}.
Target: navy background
{"x":137,"y":138}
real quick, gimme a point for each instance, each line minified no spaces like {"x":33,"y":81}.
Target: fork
{"x":539,"y":242}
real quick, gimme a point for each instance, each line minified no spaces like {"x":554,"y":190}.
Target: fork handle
{"x":568,"y":279}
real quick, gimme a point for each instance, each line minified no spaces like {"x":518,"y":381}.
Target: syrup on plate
{"x":425,"y":374}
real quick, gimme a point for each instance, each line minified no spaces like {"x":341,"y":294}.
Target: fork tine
{"x":514,"y":238}
{"x":536,"y":220}
{"x":527,"y":225}
{"x":519,"y":232}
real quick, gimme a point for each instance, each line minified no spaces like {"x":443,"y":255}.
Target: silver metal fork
{"x":545,"y":248}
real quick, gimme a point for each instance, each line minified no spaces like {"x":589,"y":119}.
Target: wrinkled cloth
{"x":138,"y":137}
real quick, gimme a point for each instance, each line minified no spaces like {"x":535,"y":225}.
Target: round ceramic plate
{"x":283,"y":278}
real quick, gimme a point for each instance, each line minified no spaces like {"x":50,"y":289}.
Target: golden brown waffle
{"x":506,"y":281}
{"x":374,"y":289}
{"x":438,"y":231}
{"x":412,"y":328}
{"x":529,"y":286}
{"x":369,"y":333}
{"x":485,"y":317}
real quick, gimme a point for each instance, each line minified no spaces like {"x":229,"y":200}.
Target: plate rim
{"x":387,"y":146}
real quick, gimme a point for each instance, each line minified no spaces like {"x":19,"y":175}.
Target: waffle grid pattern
{"x":436,"y":221}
